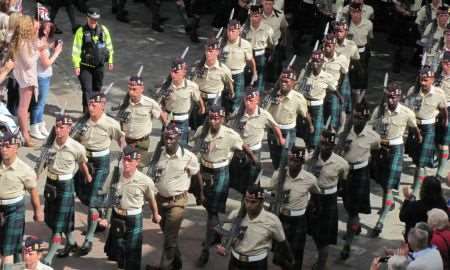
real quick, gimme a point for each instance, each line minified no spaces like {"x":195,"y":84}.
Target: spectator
{"x":25,"y":54}
{"x":438,"y":221}
{"x":424,"y":257}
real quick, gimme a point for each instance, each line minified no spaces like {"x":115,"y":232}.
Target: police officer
{"x":32,"y":253}
{"x":329,"y":168}
{"x":99,"y":131}
{"x":92,"y":49}
{"x":173,"y":173}
{"x":314,"y":83}
{"x":16,"y":177}
{"x":285,"y":108}
{"x":260,"y":36}
{"x":178,"y":103}
{"x":427,"y":101}
{"x":124,"y":242}
{"x":138,"y":113}
{"x":217,"y":144}
{"x":298,"y":186}
{"x":237,"y":53}
{"x":64,"y":155}
{"x":357,"y":148}
{"x":390,"y":120}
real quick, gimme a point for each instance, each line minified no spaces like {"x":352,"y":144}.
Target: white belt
{"x":256,"y":147}
{"x":215,"y":165}
{"x":359,"y":165}
{"x":236,"y":71}
{"x":209,"y":95}
{"x":293,"y":212}
{"x":396,"y":141}
{"x":11,"y":201}
{"x":327,"y":191}
{"x":244,"y":258}
{"x":426,"y":121}
{"x":315,"y":102}
{"x":259,"y":52}
{"x":362,"y":49}
{"x":180,"y":117}
{"x":128,"y":212}
{"x":98,"y":153}
{"x":288,"y":126}
{"x":60,"y":177}
{"x":448,"y":103}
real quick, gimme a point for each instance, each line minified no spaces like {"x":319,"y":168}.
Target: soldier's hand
{"x":419,"y":138}
{"x":221,"y":250}
{"x":201,"y":110}
{"x":282,"y":141}
{"x":88,"y":178}
{"x":9,"y":65}
{"x":156,"y":218}
{"x":254,"y":78}
{"x":110,"y":67}
{"x":200,"y":200}
{"x":38,"y":215}
{"x":407,"y":193}
{"x":76,"y":71}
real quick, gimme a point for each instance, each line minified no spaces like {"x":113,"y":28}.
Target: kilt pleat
{"x":216,"y":193}
{"x":323,"y":223}
{"x":295,"y":229}
{"x":422,"y":153}
{"x":59,"y":214}
{"x":387,"y":165}
{"x":243,"y":172}
{"x":357,"y":192}
{"x":12,"y":230}
{"x":442,"y":136}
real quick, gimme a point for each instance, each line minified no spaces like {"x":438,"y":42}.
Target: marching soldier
{"x":138,"y":113}
{"x":217,"y":143}
{"x":390,"y":120}
{"x":173,"y":171}
{"x":322,"y":213}
{"x":427,"y":101}
{"x":16,"y":177}
{"x":65,"y":154}
{"x":124,"y":242}
{"x":237,"y":53}
{"x":260,"y":36}
{"x":285,"y":108}
{"x":212,"y":78}
{"x":92,"y":49}
{"x":357,"y":148}
{"x":99,"y":131}
{"x":427,"y":14}
{"x":366,"y":10}
{"x":433,"y":34}
{"x":178,"y":103}
{"x":314,"y":84}
{"x":298,"y":184}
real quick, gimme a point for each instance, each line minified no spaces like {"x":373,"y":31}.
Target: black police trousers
{"x":91,"y":80}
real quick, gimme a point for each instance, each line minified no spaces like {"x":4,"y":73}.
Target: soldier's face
{"x":294,"y":162}
{"x":251,"y":103}
{"x":135,"y":91}
{"x":215,"y":122}
{"x":233,"y":34}
{"x":253,"y":205}
{"x":426,"y":82}
{"x":286,"y":85}
{"x":329,"y":48}
{"x":171,"y":141}
{"x":392,"y":101}
{"x":256,"y":19}
{"x":268,"y":6}
{"x":30,"y":257}
{"x":96,"y":108}
{"x":177,"y":75}
{"x":443,"y":19}
{"x":340,"y":33}
{"x":446,"y":66}
{"x":317,"y":66}
{"x":129,"y":165}
{"x":356,"y":15}
{"x":8,"y":151}
{"x":62,"y":131}
{"x":325,"y":145}
{"x":211,"y":54}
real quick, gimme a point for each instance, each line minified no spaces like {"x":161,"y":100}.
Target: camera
{"x":384,"y":259}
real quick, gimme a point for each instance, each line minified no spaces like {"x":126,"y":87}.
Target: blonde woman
{"x":25,"y":53}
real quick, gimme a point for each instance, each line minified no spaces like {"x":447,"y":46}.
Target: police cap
{"x":93,"y":13}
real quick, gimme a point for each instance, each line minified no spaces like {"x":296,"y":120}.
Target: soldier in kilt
{"x":216,"y":144}
{"x":427,"y":101}
{"x":124,"y":242}
{"x":390,"y":120}
{"x":96,"y":138}
{"x":16,"y":177}
{"x":64,"y":155}
{"x":357,"y":148}
{"x":322,"y":212}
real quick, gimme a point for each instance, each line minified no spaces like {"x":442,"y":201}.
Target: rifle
{"x":45,"y":153}
{"x":307,"y":70}
{"x":111,"y":198}
{"x":199,"y":70}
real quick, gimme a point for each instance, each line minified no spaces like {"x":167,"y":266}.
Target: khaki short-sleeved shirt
{"x":259,"y":234}
{"x":330,"y":171}
{"x":65,"y":158}
{"x":361,"y":144}
{"x":361,"y":33}
{"x":180,"y":99}
{"x":436,"y":37}
{"x":133,"y":192}
{"x":290,"y":106}
{"x":237,"y":54}
{"x":367,"y":11}
{"x":15,"y":179}
{"x":277,"y":21}
{"x":316,"y":86}
{"x":139,"y":123}
{"x":445,"y":86}
{"x":99,"y":134}
{"x":392,"y":125}
{"x":349,"y":49}
{"x":337,"y":65}
{"x":260,"y":38}
{"x":252,"y":127}
{"x":426,"y":106}
{"x":220,"y":147}
{"x":215,"y":79}
{"x":422,"y":14}
{"x":174,"y":172}
{"x":298,"y":187}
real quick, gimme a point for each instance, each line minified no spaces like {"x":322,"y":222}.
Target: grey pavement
{"x":137,"y":44}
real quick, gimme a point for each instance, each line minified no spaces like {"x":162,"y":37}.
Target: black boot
{"x":376,"y":231}
{"x":85,"y":248}
{"x":62,"y":253}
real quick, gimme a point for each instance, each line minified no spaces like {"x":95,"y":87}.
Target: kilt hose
{"x":323,"y":219}
{"x":359,"y":75}
{"x":422,"y":153}
{"x":332,"y":110}
{"x":235,"y":264}
{"x":12,"y":228}
{"x":275,"y":148}
{"x":243,"y":172}
{"x":386,"y":166}
{"x":295,"y":229}
{"x":357,"y":192}
{"x":59,"y":213}
{"x":442,"y":136}
{"x":127,"y":249}
{"x":90,"y":194}
{"x":217,"y":182}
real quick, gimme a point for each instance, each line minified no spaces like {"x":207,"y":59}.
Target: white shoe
{"x":35,"y":132}
{"x":43,"y":129}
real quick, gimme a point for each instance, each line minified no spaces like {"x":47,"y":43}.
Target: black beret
{"x":131,"y":153}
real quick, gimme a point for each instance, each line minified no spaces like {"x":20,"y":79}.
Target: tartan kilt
{"x":442,"y":133}
{"x":333,"y":110}
{"x":216,"y":191}
{"x":422,"y":154}
{"x":311,"y":139}
{"x":346,"y":92}
{"x":60,"y":213}
{"x":235,"y":264}
{"x":126,"y":251}
{"x":11,"y":232}
{"x":275,"y":149}
{"x":243,"y":172}
{"x":357,"y":192}
{"x":359,"y":75}
{"x":323,"y":220}
{"x":90,"y":193}
{"x":386,"y":166}
{"x":295,"y":229}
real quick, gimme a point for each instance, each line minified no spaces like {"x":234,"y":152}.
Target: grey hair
{"x":437,"y":219}
{"x":418,"y":239}
{"x":397,"y":262}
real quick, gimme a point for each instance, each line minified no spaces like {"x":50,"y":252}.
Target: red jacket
{"x":441,"y":239}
